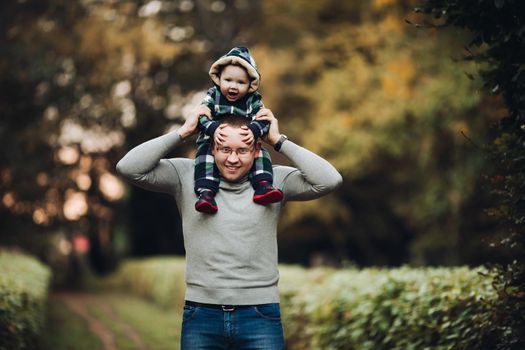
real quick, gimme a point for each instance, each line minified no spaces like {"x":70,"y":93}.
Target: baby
{"x":236,"y":82}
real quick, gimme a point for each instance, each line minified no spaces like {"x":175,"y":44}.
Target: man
{"x":232,"y":300}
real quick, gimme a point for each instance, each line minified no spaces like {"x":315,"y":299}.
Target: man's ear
{"x":258,"y":146}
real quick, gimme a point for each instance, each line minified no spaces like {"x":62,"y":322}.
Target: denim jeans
{"x":247,"y":327}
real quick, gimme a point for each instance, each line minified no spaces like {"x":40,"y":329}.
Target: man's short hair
{"x":234,"y":120}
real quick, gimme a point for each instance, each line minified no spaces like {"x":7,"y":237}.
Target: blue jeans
{"x":246,"y":327}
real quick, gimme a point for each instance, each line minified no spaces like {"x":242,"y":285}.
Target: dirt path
{"x":130,"y":332}
{"x":83,"y":306}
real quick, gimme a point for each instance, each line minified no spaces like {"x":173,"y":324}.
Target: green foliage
{"x":65,"y":330}
{"x":403,"y":308}
{"x":23,"y":294}
{"x":93,"y":79}
{"x":509,"y":282}
{"x":130,"y":321}
{"x":157,"y":279}
{"x":498,"y":40}
{"x":159,"y":326}
{"x":388,"y":108}
{"x":498,"y":30}
{"x":347,"y":79}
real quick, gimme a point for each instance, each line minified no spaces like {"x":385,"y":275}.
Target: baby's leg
{"x":206,"y":177}
{"x":261,"y":177}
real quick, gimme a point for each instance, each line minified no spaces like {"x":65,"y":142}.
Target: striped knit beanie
{"x":238,"y":55}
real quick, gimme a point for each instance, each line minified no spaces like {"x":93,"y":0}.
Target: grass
{"x":66,"y":331}
{"x":158,"y":328}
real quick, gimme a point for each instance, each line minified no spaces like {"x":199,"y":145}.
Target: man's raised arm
{"x":313,"y":177}
{"x":144,"y":166}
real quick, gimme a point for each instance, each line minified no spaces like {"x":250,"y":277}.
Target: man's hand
{"x":190,"y":125}
{"x":273,"y":134}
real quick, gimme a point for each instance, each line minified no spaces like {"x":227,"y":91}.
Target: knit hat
{"x":238,"y":55}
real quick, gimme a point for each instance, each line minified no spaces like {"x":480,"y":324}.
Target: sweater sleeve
{"x":143,"y":165}
{"x":313,"y":176}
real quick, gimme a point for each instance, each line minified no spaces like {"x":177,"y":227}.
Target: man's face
{"x":234,"y":158}
{"x":234,"y":82}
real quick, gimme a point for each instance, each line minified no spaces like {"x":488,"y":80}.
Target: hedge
{"x":395,"y":309}
{"x":24,"y":285}
{"x":159,"y":279}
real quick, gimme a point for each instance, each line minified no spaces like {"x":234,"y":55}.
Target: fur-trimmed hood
{"x":238,"y":55}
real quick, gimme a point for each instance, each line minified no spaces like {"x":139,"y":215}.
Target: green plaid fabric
{"x":246,"y":107}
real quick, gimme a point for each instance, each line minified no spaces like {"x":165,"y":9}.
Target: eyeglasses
{"x":239,"y":151}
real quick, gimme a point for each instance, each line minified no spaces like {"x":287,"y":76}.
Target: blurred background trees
{"x":498,"y":41}
{"x":395,"y":109}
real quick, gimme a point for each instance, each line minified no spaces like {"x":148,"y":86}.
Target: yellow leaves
{"x":347,"y":120}
{"x":273,"y":64}
{"x":455,"y":199}
{"x":355,"y":90}
{"x":398,"y":78}
{"x":378,"y":4}
{"x":339,"y":89}
{"x":111,"y":46}
{"x":155,"y":45}
{"x":326,"y":209}
{"x":404,"y":69}
{"x":391,"y":24}
{"x":460,"y":126}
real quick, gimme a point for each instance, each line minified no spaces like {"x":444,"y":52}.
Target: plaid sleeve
{"x":259,"y":128}
{"x":209,"y":100}
{"x":206,"y":125}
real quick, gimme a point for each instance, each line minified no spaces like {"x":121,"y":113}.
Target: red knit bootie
{"x":265,"y":193}
{"x":206,"y":202}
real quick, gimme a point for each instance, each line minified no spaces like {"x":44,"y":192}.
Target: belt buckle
{"x":228,"y":308}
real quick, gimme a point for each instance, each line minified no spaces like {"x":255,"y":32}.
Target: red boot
{"x":265,"y":193}
{"x":206,"y":202}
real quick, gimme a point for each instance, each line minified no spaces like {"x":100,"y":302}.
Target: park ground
{"x":108,"y":321}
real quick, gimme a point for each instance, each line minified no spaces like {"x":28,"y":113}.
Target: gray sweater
{"x":231,"y":256}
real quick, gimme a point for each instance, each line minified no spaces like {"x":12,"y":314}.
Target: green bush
{"x":403,"y":308}
{"x":24,"y":285}
{"x":160,"y":280}
{"x":394,"y":309}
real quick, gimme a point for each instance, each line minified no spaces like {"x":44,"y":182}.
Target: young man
{"x":232,"y":300}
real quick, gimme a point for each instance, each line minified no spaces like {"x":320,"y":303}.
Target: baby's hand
{"x":219,"y":137}
{"x":247,"y":134}
{"x":203,"y":110}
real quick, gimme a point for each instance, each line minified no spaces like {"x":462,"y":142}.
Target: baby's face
{"x":234,"y":82}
